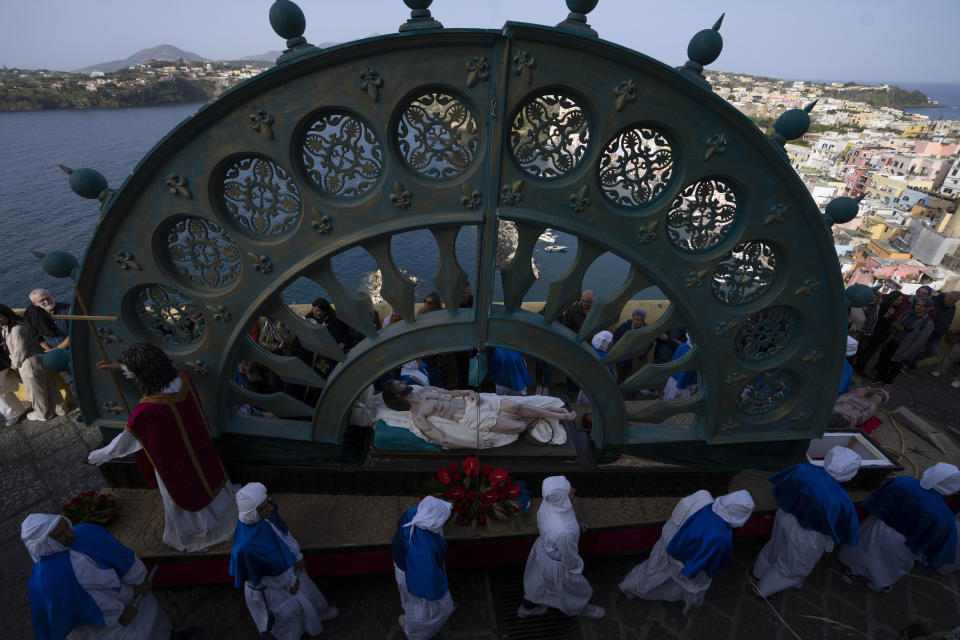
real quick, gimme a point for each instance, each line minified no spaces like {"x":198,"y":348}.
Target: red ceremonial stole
{"x":175,"y":437}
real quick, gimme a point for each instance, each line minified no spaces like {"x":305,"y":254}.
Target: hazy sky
{"x":815,"y":39}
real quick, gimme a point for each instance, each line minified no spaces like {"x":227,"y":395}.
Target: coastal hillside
{"x":160,"y":52}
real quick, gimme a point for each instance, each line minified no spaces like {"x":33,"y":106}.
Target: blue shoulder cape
{"x":685,"y":378}
{"x":920,"y":515}
{"x":703,"y":542}
{"x":258,"y":552}
{"x":58,"y":603}
{"x":818,"y":502}
{"x":508,"y":369}
{"x":421,"y":556}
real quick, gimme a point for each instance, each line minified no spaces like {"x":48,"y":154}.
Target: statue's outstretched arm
{"x":422,"y":421}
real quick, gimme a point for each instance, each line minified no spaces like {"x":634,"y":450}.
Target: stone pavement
{"x":41,"y":468}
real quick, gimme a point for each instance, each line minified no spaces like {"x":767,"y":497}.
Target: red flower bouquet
{"x":90,"y":507}
{"x":478,"y":493}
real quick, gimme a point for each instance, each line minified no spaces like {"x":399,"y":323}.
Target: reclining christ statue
{"x":465,"y":419}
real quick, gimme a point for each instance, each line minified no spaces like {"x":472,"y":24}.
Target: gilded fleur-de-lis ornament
{"x":370,"y":81}
{"x":477,"y":69}
{"x":322,"y":223}
{"x":695,"y":279}
{"x":511,"y":193}
{"x":809,"y":287}
{"x":401,"y":198}
{"x":717,"y":143}
{"x":126,"y":261}
{"x":261,"y":263}
{"x":220,"y":313}
{"x":523,"y":64}
{"x":471,"y":198}
{"x":725,"y":328}
{"x":107,"y":336}
{"x":647,"y":232}
{"x":261,"y":122}
{"x":777,"y":212}
{"x":623,"y":93}
{"x":177,"y":185}
{"x":580,"y":200}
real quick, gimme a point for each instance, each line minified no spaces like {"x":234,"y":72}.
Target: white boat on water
{"x":547,"y":237}
{"x":554,"y":248}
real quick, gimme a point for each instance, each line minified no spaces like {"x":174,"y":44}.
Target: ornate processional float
{"x":343,"y":149}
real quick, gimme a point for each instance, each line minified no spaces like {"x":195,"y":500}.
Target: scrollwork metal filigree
{"x":635,"y":167}
{"x":550,"y":135}
{"x":765,"y":392}
{"x":765,"y":334}
{"x":701,"y":215}
{"x":166,"y":313}
{"x":203,"y":252}
{"x":342,"y":155}
{"x":260,"y":195}
{"x":437,"y":135}
{"x":745,"y":273}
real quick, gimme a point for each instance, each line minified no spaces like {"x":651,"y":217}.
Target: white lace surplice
{"x":183,"y":530}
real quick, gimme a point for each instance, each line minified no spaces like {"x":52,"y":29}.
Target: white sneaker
{"x":955,"y":384}
{"x":593,"y":611}
{"x":60,"y":410}
{"x":36,"y":417}
{"x":538,"y":610}
{"x":935,"y":373}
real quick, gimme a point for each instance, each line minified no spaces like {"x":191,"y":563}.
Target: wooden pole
{"x":96,"y":337}
{"x":86,"y":317}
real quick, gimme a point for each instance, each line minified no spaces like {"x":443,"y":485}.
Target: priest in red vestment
{"x":170,"y":436}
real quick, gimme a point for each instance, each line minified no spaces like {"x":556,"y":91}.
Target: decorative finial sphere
{"x":705,"y":46}
{"x":417,"y":4}
{"x":582,"y":6}
{"x":843,"y":209}
{"x":793,"y":124}
{"x":86,"y":183}
{"x":287,"y":19}
{"x":56,"y":360}
{"x":59,"y":264}
{"x":859,"y":295}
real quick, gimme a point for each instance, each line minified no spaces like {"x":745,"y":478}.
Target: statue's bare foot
{"x":566,"y":415}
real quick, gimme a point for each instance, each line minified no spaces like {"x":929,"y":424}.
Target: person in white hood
{"x":554,"y":573}
{"x":815,"y":513}
{"x":267,"y":562}
{"x":419,"y":559}
{"x":909,"y":522}
{"x":695,"y":544}
{"x":85,"y":585}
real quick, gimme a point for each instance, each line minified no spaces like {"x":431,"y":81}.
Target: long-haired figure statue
{"x":170,"y":435}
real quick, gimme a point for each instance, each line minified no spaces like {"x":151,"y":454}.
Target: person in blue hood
{"x":419,"y":556}
{"x":266,"y":561}
{"x":695,"y":544}
{"x":815,"y":513}
{"x":85,"y":584}
{"x":909,"y":522}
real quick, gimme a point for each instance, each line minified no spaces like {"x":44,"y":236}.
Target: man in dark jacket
{"x":944,"y":307}
{"x":638,"y":320}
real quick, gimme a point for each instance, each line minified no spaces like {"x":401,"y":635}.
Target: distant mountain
{"x":160,"y":52}
{"x":271,"y":56}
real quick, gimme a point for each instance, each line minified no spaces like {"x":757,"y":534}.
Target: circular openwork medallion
{"x":437,"y":135}
{"x":745,"y":273}
{"x":202,"y":252}
{"x":701,"y":215}
{"x":550,"y":135}
{"x":260,"y":195}
{"x":166,"y":313}
{"x":765,"y":334}
{"x":766,"y":392}
{"x":635,"y":167}
{"x":341,"y":154}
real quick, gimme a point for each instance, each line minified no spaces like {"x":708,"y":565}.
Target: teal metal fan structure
{"x":443,"y":130}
